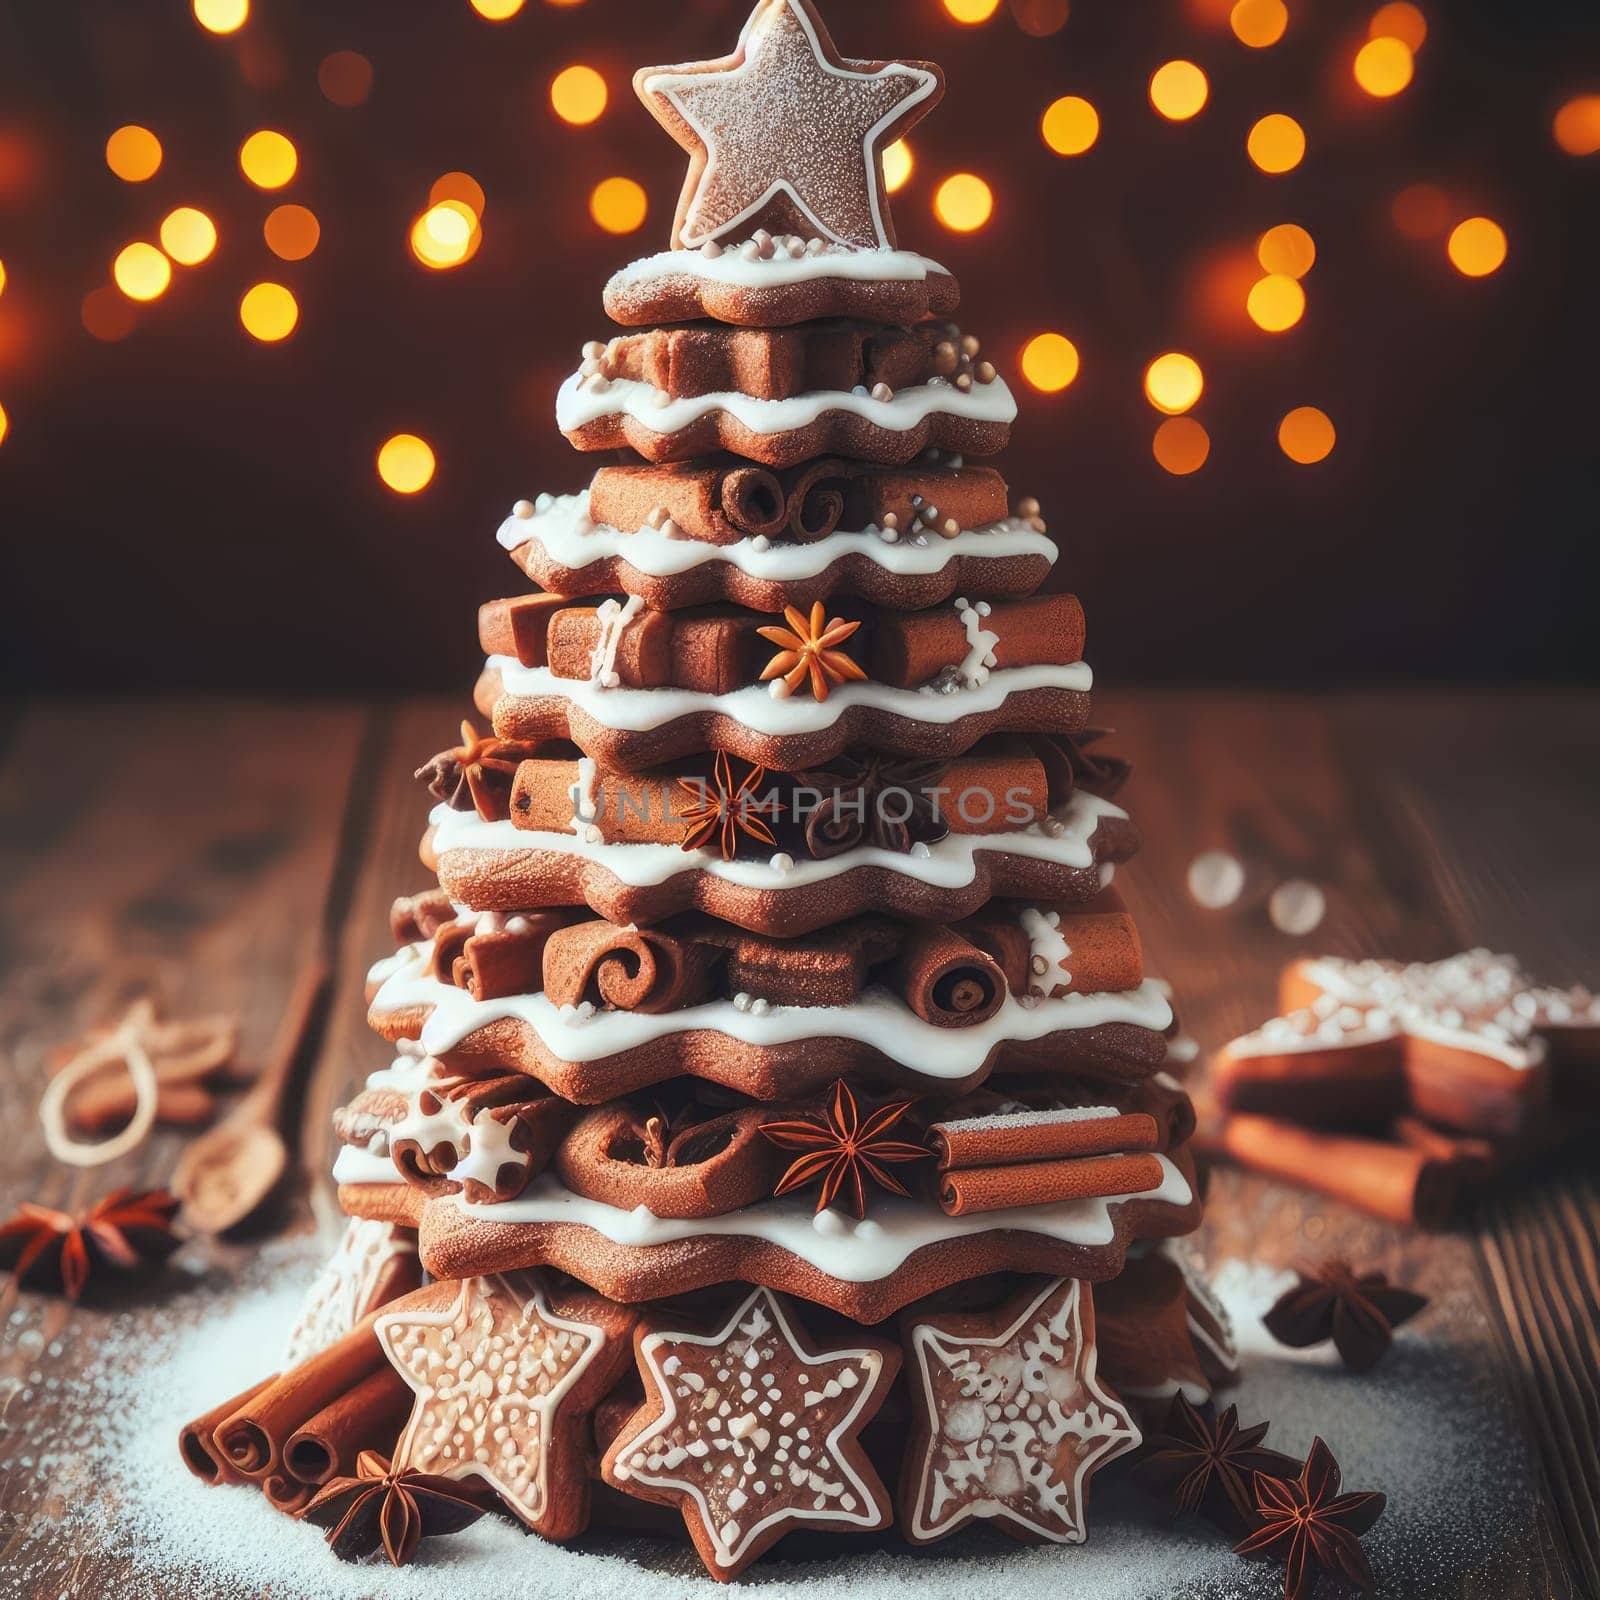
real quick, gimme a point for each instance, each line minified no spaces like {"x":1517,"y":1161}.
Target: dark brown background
{"x":188,"y":507}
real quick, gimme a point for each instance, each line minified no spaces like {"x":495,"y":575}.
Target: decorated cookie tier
{"x":776,"y":1073}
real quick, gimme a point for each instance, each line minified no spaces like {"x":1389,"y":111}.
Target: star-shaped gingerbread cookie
{"x":504,"y":1380}
{"x":1009,"y":1421}
{"x":787,"y":133}
{"x":753,"y":1432}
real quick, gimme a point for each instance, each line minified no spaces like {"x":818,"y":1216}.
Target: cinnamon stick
{"x":1038,"y":1183}
{"x":369,"y":1417}
{"x":913,"y":647}
{"x":519,"y":627}
{"x":1397,"y":1181}
{"x":946,"y":980}
{"x":1033,"y":1136}
{"x":285,"y":1494}
{"x":202,"y":1455}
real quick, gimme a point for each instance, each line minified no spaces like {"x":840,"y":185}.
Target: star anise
{"x":1313,"y":1528}
{"x":722,"y":808}
{"x":873,"y":799}
{"x":478,"y":773}
{"x":1207,"y":1466}
{"x":842,"y":1150}
{"x":1359,"y":1313}
{"x":1071,"y":764}
{"x":392,"y":1509}
{"x":125,"y":1230}
{"x":808,"y":649}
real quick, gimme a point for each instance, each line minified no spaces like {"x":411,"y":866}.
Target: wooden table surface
{"x":203,"y":848}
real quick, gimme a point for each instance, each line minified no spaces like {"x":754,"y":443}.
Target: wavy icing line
{"x":858,"y":266}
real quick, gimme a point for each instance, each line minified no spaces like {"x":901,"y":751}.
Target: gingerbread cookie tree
{"x":775,"y":1053}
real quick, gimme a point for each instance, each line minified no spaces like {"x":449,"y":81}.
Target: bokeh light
{"x":462,"y":187}
{"x":1040,"y":18}
{"x":268,"y":159}
{"x":1287,"y":249}
{"x":1181,"y":445}
{"x":188,"y":236}
{"x":1577,"y":125}
{"x":133,"y":153}
{"x":446,"y":235}
{"x":1400,"y":20}
{"x":578,"y":95}
{"x":269,"y":312}
{"x":1173,"y":382}
{"x":1306,"y":435}
{"x":972,"y":11}
{"x":141,"y":271}
{"x":1421,"y":211}
{"x":1258,"y":23}
{"x":1477,"y":247}
{"x":5,"y":424}
{"x":1384,"y":66}
{"x":1179,"y":90}
{"x":964,"y":202}
{"x":291,"y":232}
{"x":2,"y":277}
{"x":898,"y":165}
{"x":1070,"y":126}
{"x":345,"y":78}
{"x":107,"y":315}
{"x":1276,"y":143}
{"x":1050,"y":362}
{"x":222,"y":16}
{"x":619,"y":205}
{"x":497,"y":10}
{"x":406,"y":463}
{"x":1276,"y":303}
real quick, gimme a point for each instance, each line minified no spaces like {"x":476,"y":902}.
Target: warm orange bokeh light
{"x":133,"y":153}
{"x":1181,"y":445}
{"x":446,"y":235}
{"x":1179,"y":90}
{"x":1050,"y":362}
{"x":460,"y":186}
{"x":2,"y":277}
{"x":1287,"y":249}
{"x":345,"y":78}
{"x":292,"y":232}
{"x":1276,"y":303}
{"x":1399,"y":20}
{"x":964,"y":202}
{"x":1306,"y":435}
{"x":1173,"y":382}
{"x":1070,"y":126}
{"x":619,"y":205}
{"x":188,"y":236}
{"x":1277,"y":143}
{"x":141,"y":272}
{"x":406,"y":463}
{"x":222,"y":16}
{"x":269,"y":312}
{"x":578,"y":95}
{"x":898,"y":165}
{"x":1477,"y":247}
{"x":107,"y":315}
{"x":1258,"y":23}
{"x":971,"y":11}
{"x":497,"y":10}
{"x":268,"y":159}
{"x":5,"y":424}
{"x":1577,"y":125}
{"x":1421,"y":211}
{"x":1384,"y":66}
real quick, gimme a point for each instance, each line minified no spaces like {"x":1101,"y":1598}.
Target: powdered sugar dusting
{"x":1430,"y":1428}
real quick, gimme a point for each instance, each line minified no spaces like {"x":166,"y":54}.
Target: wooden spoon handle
{"x":264,"y":1105}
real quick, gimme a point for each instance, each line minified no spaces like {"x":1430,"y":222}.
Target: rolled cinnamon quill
{"x":626,"y":969}
{"x":285,"y":1493}
{"x":712,"y":503}
{"x":202,"y":1455}
{"x":913,"y":647}
{"x":509,"y":960}
{"x":1397,"y":1181}
{"x":1032,"y":1136}
{"x":946,"y":980}
{"x":1038,"y":1183}
{"x":816,"y":499}
{"x":368,"y":1418}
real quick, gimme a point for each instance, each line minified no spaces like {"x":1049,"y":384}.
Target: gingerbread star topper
{"x":786,"y":132}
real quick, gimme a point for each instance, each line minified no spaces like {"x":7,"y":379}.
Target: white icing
{"x":738,"y":271}
{"x":573,"y":540}
{"x":951,"y":863}
{"x":339,"y":1297}
{"x":614,"y":617}
{"x":981,"y":641}
{"x":583,"y":401}
{"x":1047,"y":964}
{"x":586,"y":801}
{"x":639,"y":710}
{"x":1028,"y":1119}
{"x":877,"y":1018}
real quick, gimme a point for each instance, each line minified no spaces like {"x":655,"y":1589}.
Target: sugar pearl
{"x":523,"y":509}
{"x":711,"y":249}
{"x":882,"y":391}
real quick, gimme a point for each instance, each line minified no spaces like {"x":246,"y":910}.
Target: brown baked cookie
{"x":777,"y":282}
{"x":753,"y":1431}
{"x":1009,"y":1417}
